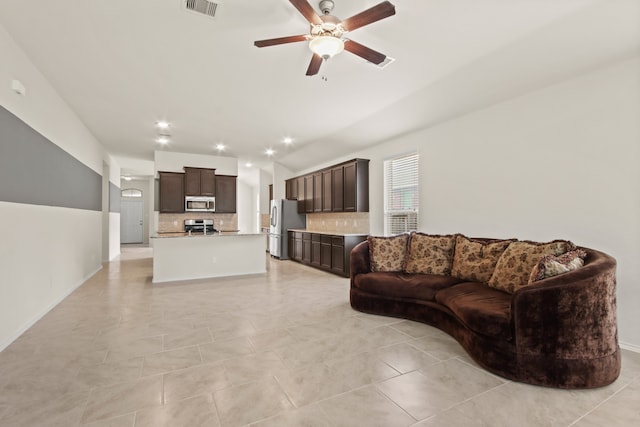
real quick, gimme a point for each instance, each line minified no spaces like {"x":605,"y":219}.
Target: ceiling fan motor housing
{"x":326,"y":6}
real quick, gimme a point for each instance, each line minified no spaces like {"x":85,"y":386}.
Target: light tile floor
{"x":280,"y":349}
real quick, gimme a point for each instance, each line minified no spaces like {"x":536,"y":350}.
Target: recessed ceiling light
{"x":162,"y":140}
{"x":248,"y":164}
{"x":163,"y":124}
{"x":287,"y":140}
{"x":220,"y":147}
{"x":126,"y":178}
{"x":269,"y":152}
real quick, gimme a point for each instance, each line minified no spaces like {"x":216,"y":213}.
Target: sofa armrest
{"x":359,"y":260}
{"x":570,"y":316}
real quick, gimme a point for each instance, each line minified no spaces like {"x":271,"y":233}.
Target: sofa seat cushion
{"x":482,"y":309}
{"x":401,"y":285}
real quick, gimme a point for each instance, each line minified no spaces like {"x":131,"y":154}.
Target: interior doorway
{"x":131,"y":217}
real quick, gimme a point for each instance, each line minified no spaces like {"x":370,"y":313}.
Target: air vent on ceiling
{"x":204,"y":7}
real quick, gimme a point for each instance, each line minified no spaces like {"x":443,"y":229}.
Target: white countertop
{"x":200,"y":235}
{"x":327,"y":233}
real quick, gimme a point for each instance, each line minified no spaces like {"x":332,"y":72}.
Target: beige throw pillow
{"x":430,"y":254}
{"x":388,"y":253}
{"x":474,"y":260}
{"x":514,"y":266}
{"x":551,"y":265}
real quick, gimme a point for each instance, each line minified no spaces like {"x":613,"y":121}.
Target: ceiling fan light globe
{"x":326,"y":46}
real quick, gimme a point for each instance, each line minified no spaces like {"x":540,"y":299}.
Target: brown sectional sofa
{"x":558,"y":332}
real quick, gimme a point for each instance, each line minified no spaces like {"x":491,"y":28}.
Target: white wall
{"x":114,"y":217}
{"x":561,"y":162}
{"x":246,"y":208}
{"x":265,"y":179}
{"x":280,"y":174}
{"x":61,"y":247}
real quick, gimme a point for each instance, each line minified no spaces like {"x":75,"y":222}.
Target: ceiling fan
{"x":326,"y":34}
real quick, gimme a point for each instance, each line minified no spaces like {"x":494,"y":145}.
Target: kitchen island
{"x":183,"y":256}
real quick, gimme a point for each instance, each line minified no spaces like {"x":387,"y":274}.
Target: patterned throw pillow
{"x":430,"y":254}
{"x":388,"y":253}
{"x":551,"y":265}
{"x":474,"y":260}
{"x":515,"y":265}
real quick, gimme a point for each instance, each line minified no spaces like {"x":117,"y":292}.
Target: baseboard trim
{"x":630,"y":347}
{"x":6,"y":343}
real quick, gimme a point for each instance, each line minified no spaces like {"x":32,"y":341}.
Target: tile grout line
{"x":601,"y":403}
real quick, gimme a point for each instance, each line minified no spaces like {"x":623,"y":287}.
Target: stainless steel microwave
{"x":199,"y":204}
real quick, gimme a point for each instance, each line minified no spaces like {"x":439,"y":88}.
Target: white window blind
{"x":401,"y":194}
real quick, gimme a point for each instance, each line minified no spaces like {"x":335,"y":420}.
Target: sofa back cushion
{"x":388,"y":253}
{"x":514,"y":266}
{"x":475,"y":260}
{"x":430,"y":254}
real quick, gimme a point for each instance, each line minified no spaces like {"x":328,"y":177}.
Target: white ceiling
{"x":124,"y":64}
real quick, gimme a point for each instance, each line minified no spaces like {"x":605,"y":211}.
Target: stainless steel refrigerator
{"x":284,"y":216}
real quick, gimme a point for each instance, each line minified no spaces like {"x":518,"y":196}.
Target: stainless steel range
{"x":199,"y":226}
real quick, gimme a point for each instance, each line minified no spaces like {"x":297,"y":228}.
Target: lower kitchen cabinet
{"x":323,"y":251}
{"x":306,"y":247}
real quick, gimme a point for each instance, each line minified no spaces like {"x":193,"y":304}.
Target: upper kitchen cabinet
{"x":171,"y":192}
{"x":337,"y":189}
{"x":327,"y":190}
{"x":317,"y":192}
{"x":308,"y":194}
{"x":226,"y":187}
{"x":291,"y":189}
{"x":340,"y":188}
{"x":199,"y":182}
{"x":356,"y":186}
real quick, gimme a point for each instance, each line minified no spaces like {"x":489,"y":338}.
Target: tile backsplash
{"x":344,"y":222}
{"x":264,"y":220}
{"x":168,"y":223}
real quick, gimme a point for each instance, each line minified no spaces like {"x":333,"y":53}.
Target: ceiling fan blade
{"x":280,"y":40}
{"x":376,"y":13}
{"x":364,"y":52}
{"x":307,"y":11}
{"x":314,"y":65}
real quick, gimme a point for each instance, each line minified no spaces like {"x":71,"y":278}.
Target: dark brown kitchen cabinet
{"x":291,"y":189}
{"x":324,"y":251}
{"x":327,"y":190}
{"x":340,"y":188}
{"x":356,"y":186}
{"x":308,"y":193}
{"x":337,"y":255}
{"x":298,"y":247}
{"x":291,"y":241}
{"x":306,"y":248}
{"x":301,"y":201}
{"x":315,"y":250}
{"x":226,"y":193}
{"x":317,"y":192}
{"x":337,"y":189}
{"x":171,"y":192}
{"x":199,"y":182}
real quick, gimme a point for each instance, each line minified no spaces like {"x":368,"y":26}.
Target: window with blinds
{"x":401,"y":194}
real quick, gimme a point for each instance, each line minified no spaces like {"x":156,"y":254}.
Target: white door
{"x":131,"y":221}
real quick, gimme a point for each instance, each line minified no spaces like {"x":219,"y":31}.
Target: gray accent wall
{"x":34,"y":170}
{"x":114,"y":198}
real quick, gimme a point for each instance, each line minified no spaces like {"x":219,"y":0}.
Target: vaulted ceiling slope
{"x":122,"y":65}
